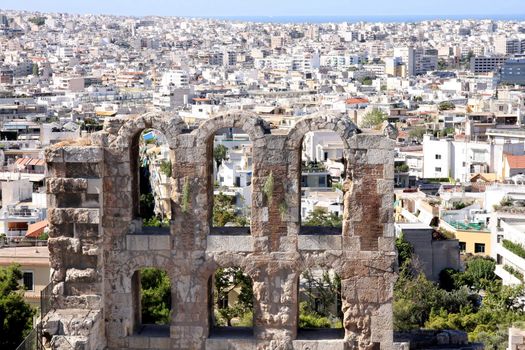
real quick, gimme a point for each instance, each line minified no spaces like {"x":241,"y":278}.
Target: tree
{"x":373,"y":119}
{"x":321,"y":217}
{"x":220,"y":154}
{"x":417,"y":133}
{"x":223,"y":210}
{"x":446,"y":105}
{"x":156,"y":296}
{"x":404,"y":251}
{"x":226,"y":281}
{"x":15,"y":314}
{"x":321,"y":293}
{"x":35,"y":70}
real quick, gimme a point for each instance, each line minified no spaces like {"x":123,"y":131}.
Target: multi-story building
{"x":513,"y":71}
{"x":486,"y":64}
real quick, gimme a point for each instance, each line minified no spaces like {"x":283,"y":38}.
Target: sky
{"x":221,"y":8}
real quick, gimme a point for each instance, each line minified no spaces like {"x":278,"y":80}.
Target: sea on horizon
{"x":366,"y":18}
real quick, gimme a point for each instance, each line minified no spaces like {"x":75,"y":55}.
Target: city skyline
{"x":238,"y":8}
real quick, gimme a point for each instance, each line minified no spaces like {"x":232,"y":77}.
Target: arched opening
{"x":231,"y":171}
{"x":323,"y":170}
{"x":151,"y":293}
{"x":151,"y":168}
{"x":319,"y":302}
{"x":230,"y":303}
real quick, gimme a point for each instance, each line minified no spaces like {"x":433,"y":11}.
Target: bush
{"x":373,"y":118}
{"x":515,"y":248}
{"x":165,"y":168}
{"x":313,"y":321}
{"x":513,"y":272}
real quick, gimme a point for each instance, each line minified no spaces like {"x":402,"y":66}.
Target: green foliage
{"x":228,"y":280}
{"x":373,"y":119}
{"x":417,"y":133}
{"x":185,"y":195}
{"x":366,"y":81}
{"x":320,"y":293}
{"x":165,"y":168}
{"x":308,"y":319}
{"x":15,"y":314}
{"x":403,"y":168}
{"x":283,"y":209}
{"x":420,"y":303}
{"x":268,"y":187}
{"x":446,"y":105}
{"x":416,"y":297}
{"x":155,"y":222}
{"x":441,"y":234}
{"x":513,"y":272}
{"x":460,"y":205}
{"x":404,"y":251}
{"x":479,"y":274}
{"x":337,"y":185}
{"x":515,"y":248}
{"x":147,"y":205}
{"x":35,"y":70}
{"x":506,"y":202}
{"x":321,"y":296}
{"x":220,"y":154}
{"x":44,"y":236}
{"x":320,"y":217}
{"x":39,"y":20}
{"x":155,"y":296}
{"x":223,"y":210}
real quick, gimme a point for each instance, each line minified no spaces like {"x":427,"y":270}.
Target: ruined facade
{"x":97,"y":242}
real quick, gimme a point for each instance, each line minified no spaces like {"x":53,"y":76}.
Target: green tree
{"x":404,"y":251}
{"x":373,"y":119}
{"x":321,"y":293}
{"x":228,"y":280}
{"x":220,"y":154}
{"x":155,"y":297}
{"x":15,"y":314}
{"x":446,"y":105}
{"x":417,"y":133}
{"x":223,"y":210}
{"x":321,"y":217}
{"x":35,"y":70}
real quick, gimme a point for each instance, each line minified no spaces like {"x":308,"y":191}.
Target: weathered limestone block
{"x":58,"y":216}
{"x":84,"y":154}
{"x":61,"y":185}
{"x":78,"y":275}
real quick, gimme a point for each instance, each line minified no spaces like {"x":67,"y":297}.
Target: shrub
{"x":515,"y":248}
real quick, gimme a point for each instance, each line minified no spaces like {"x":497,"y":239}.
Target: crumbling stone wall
{"x":97,"y":242}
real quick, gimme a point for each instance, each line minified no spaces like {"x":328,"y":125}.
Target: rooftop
{"x":24,"y":255}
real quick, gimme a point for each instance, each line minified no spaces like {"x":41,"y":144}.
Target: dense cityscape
{"x":448,"y":96}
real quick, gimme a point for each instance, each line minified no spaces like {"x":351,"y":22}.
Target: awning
{"x":35,"y":230}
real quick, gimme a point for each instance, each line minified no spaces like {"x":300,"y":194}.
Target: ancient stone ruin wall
{"x":97,"y":242}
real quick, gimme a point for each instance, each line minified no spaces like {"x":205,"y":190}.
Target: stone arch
{"x":131,"y":274}
{"x":170,"y":125}
{"x":342,"y":126}
{"x":256,"y":129}
{"x":125,"y":144}
{"x":247,"y":271}
{"x":316,"y":265}
{"x":339,"y":124}
{"x":250,"y":123}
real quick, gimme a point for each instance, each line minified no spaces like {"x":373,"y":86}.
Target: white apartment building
{"x":507,"y":224}
{"x":175,"y":78}
{"x":459,"y":159}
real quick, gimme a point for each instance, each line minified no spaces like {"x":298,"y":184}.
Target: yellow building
{"x":34,"y":264}
{"x":473,"y":238}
